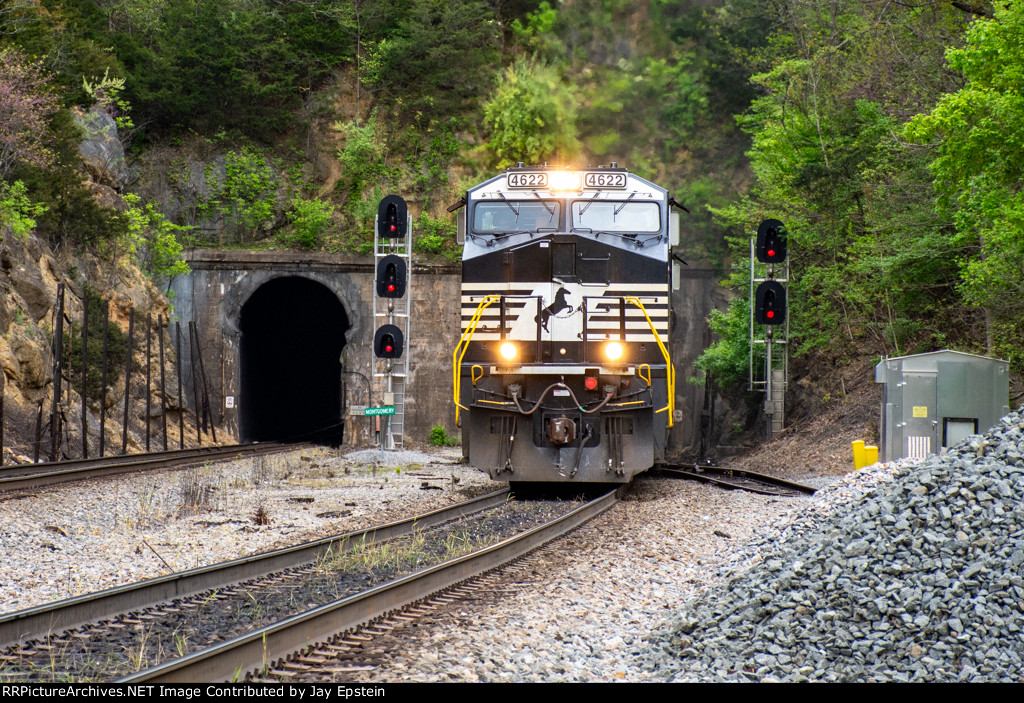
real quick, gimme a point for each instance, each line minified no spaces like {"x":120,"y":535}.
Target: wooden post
{"x":127,"y":381}
{"x":163,"y":400}
{"x":103,"y":378}
{"x":58,"y":357}
{"x":85,"y":366}
{"x":181,"y":408}
{"x":39,"y":434}
{"x":149,"y":351}
{"x":195,"y":382}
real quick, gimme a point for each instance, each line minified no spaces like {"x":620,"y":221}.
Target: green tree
{"x":828,"y":160}
{"x":310,"y":219}
{"x":17,"y":212}
{"x":246,"y":196}
{"x":978,"y":132}
{"x":151,"y":241}
{"x":531,"y":117}
{"x":435,"y":59}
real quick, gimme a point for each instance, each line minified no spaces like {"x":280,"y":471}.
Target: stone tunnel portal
{"x":293,"y":331}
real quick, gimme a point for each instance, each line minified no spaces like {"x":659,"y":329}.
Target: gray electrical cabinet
{"x":932,"y":401}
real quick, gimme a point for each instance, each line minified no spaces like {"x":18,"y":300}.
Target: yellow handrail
{"x":670,"y":369}
{"x":464,"y":345}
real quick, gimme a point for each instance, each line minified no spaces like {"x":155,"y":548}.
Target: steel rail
{"x":24,"y":469}
{"x":24,"y":476}
{"x":259,"y":650}
{"x":34,"y":623}
{"x":736,"y":478}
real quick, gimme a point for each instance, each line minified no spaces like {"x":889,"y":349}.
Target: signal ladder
{"x":392,"y":311}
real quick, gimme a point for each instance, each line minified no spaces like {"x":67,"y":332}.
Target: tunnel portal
{"x":293,"y":331}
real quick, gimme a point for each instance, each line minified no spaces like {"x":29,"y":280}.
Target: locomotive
{"x":562,"y":372}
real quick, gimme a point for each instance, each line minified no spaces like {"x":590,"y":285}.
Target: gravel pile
{"x":920,"y":579}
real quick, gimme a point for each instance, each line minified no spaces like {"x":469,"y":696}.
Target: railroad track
{"x":39,"y":622}
{"x":24,"y":476}
{"x":258,"y":651}
{"x":311,"y":637}
{"x":736,"y":478}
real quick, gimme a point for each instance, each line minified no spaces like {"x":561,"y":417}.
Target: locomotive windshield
{"x":611,"y":216}
{"x":506,"y":216}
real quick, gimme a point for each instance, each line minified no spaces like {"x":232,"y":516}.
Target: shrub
{"x":309,"y":218}
{"x":439,"y":437}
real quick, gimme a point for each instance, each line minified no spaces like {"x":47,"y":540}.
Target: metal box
{"x":931,"y":401}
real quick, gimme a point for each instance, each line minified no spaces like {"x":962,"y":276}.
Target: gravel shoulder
{"x":582,"y":610}
{"x":897,"y":572}
{"x":79,"y":538}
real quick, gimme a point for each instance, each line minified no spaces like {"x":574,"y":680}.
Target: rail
{"x":260,"y":649}
{"x":736,"y":478}
{"x":38,"y":622}
{"x":25,"y":476}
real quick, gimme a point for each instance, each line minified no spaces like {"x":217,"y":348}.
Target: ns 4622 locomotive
{"x":563,"y":370}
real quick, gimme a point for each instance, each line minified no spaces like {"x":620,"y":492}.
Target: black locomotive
{"x":562,"y":371}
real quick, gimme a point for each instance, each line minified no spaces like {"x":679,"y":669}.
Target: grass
{"x":261,"y":516}
{"x":137,"y":656}
{"x":403,"y":555}
{"x":199,"y":491}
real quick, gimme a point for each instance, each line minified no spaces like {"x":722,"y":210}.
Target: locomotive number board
{"x":537,"y":179}
{"x":603,"y":179}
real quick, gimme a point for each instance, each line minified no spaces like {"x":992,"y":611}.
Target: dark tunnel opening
{"x":293,"y":331}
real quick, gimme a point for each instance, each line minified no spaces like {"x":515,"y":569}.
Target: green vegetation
{"x":310,"y":219}
{"x":531,"y":117}
{"x":439,"y":437}
{"x":894,"y":220}
{"x":886,"y":135}
{"x":16,"y":210}
{"x":243,"y":197}
{"x":151,"y":240}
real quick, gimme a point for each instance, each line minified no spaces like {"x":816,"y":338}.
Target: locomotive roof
{"x":585,"y":183}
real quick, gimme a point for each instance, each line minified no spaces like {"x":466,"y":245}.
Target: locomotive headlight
{"x":564,"y":181}
{"x":613,"y":351}
{"x":508,"y":351}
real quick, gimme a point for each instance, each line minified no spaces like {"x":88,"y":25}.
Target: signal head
{"x":770,"y":303}
{"x":391,"y":277}
{"x":392,"y":217}
{"x":388,"y":342}
{"x":770,"y":247}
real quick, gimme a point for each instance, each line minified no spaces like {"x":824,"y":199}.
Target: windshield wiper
{"x":619,"y":208}
{"x":551,"y":210}
{"x":631,"y":236}
{"x":510,"y":206}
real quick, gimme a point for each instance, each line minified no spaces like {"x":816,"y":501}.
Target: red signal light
{"x":391,"y":288}
{"x":388,"y":348}
{"x":770,"y":314}
{"x":771,"y":252}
